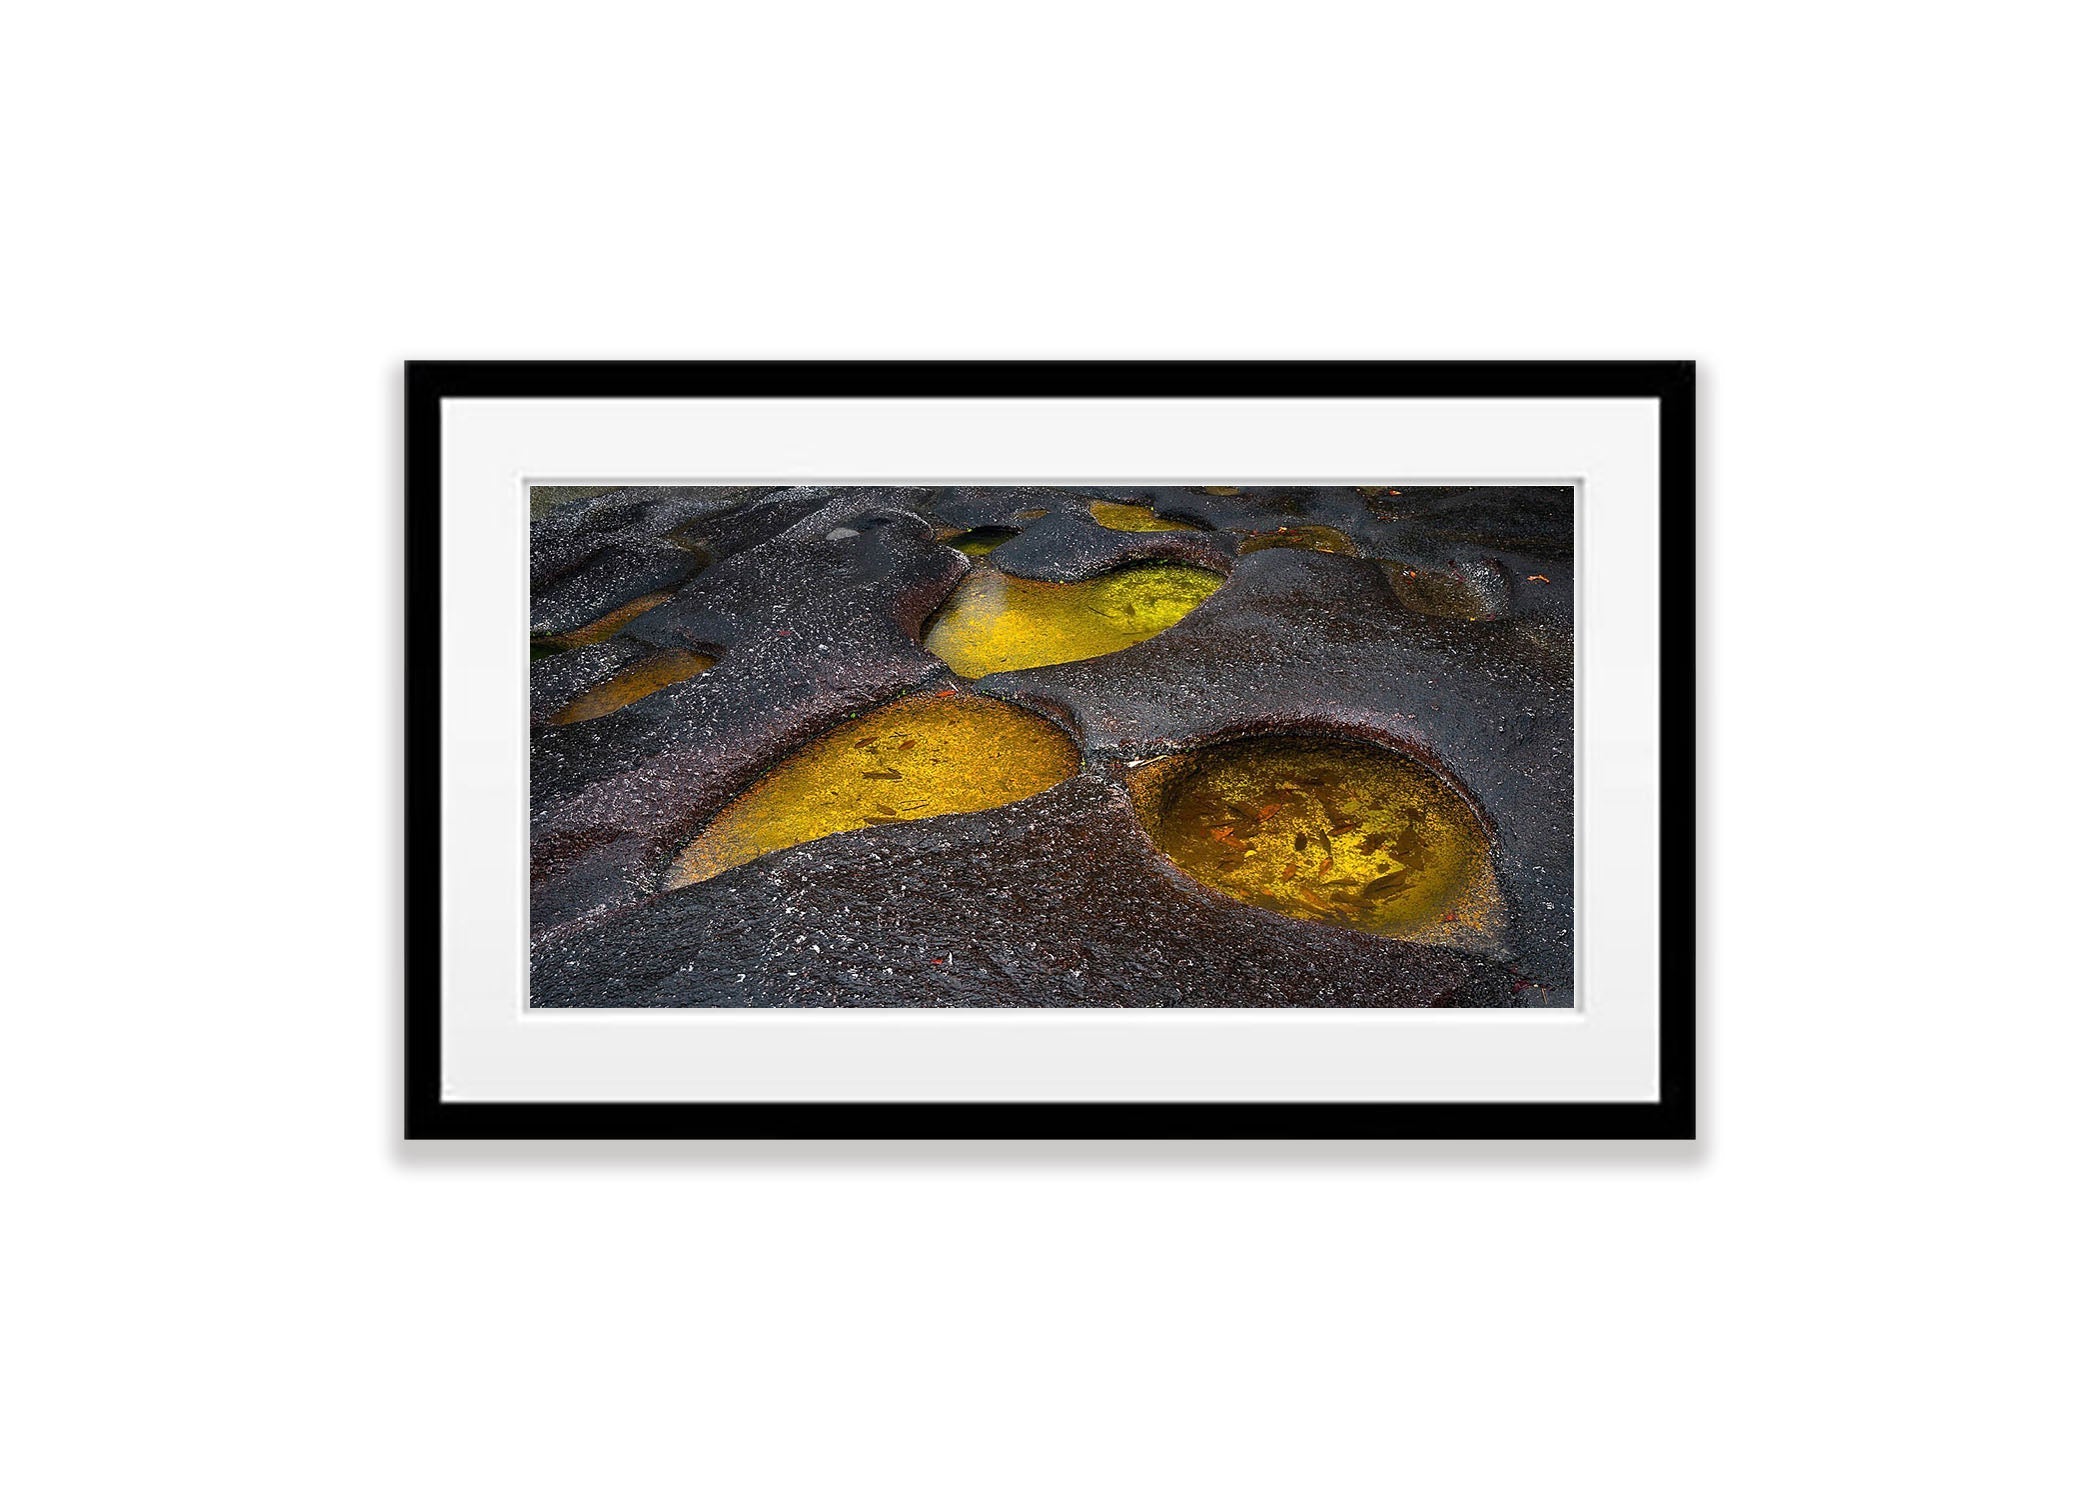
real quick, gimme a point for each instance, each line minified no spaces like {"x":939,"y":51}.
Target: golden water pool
{"x":1117,"y":517}
{"x":1351,"y":834}
{"x":936,"y":753}
{"x":650,"y":674}
{"x":994,"y":623}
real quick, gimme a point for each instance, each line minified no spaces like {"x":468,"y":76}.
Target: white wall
{"x":228,"y":224}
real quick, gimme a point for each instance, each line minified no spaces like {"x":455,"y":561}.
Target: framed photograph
{"x":1132,"y":750}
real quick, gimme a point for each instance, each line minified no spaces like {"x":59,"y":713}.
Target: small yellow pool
{"x":994,"y":623}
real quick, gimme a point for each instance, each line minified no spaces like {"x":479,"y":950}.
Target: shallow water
{"x":982,"y":540}
{"x":605,"y":627}
{"x":919,"y":758}
{"x":652,"y":673}
{"x":1309,"y":538}
{"x":1350,"y":834}
{"x":994,"y":623}
{"x":1441,"y":592}
{"x":1118,"y":517}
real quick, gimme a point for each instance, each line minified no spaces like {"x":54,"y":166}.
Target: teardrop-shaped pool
{"x":996,"y":623}
{"x":651,"y":674}
{"x":927,"y":755}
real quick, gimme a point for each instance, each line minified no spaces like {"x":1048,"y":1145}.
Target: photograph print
{"x":1213,"y":746}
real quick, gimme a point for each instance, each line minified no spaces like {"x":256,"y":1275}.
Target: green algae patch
{"x":1347,"y":833}
{"x":651,"y":674}
{"x":1134,"y":518}
{"x":922,"y":757}
{"x":1307,"y":538}
{"x":994,"y":623}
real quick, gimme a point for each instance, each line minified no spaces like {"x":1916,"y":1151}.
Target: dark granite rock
{"x":591,"y":557}
{"x":1056,"y":900}
{"x":808,"y":627}
{"x":612,"y":576}
{"x":567,"y":538}
{"x":1537,"y":520}
{"x":1067,"y":548}
{"x":559,"y":680}
{"x":1014,"y":508}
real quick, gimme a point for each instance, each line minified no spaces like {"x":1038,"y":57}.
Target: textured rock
{"x":1310,"y":642}
{"x":609,"y":578}
{"x":806,"y":632}
{"x":1058,"y":900}
{"x":1066,"y":547}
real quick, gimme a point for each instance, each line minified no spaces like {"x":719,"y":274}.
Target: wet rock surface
{"x":1058,"y":900}
{"x":1065,"y":547}
{"x":806,"y":628}
{"x":1309,"y":642}
{"x":812,"y":602}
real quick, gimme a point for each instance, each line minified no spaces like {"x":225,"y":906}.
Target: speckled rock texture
{"x":813,"y":601}
{"x":1068,"y":545}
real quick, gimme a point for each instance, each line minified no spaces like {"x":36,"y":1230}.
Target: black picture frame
{"x":1670,"y":1116}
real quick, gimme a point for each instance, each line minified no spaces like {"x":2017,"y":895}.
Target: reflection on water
{"x":657,"y":670}
{"x":937,"y":753}
{"x":993,"y":623}
{"x":1350,"y":834}
{"x":1309,"y":538}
